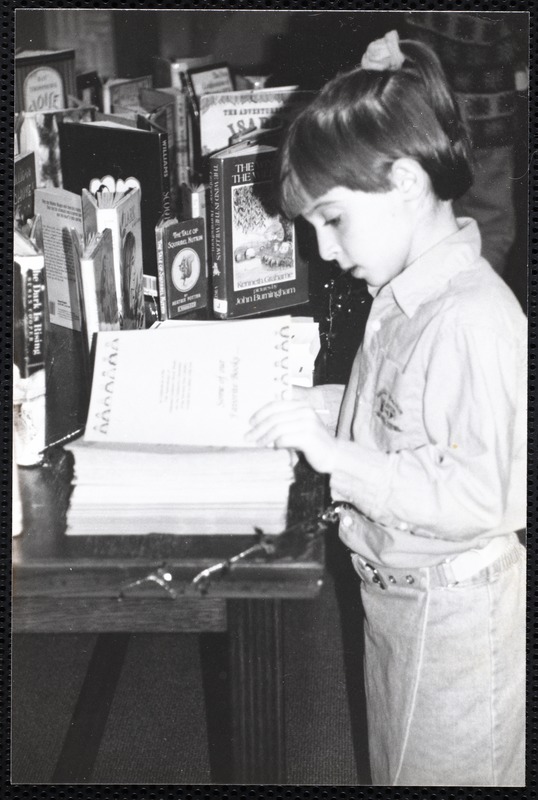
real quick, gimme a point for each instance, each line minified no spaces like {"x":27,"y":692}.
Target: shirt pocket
{"x":397,"y":411}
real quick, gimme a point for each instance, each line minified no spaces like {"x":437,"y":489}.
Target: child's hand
{"x":294,"y":424}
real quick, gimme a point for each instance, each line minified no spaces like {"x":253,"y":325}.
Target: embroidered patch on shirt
{"x":387,"y":409}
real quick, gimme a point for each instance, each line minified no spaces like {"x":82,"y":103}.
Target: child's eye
{"x":334,"y":222}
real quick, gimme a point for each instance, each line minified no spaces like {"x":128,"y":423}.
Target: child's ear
{"x":409,"y":178}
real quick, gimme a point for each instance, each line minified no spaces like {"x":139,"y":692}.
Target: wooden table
{"x":83,"y":584}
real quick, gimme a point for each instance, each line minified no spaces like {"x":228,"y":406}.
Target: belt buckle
{"x":376,"y":577}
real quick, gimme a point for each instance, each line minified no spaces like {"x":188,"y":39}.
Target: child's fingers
{"x":265,"y":425}
{"x":276,"y":407}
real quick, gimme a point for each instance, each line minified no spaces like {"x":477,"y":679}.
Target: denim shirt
{"x":432,"y":425}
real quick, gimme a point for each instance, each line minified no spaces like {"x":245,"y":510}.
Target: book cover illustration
{"x":255,"y":265}
{"x":182,"y":266}
{"x":225,"y":115}
{"x":119,"y":210}
{"x":262,"y":240}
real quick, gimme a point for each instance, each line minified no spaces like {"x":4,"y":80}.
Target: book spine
{"x":182,"y":139}
{"x":91,"y":313}
{"x":218,"y":276}
{"x":161,"y":281}
{"x":165,"y":177}
{"x":29,"y":300}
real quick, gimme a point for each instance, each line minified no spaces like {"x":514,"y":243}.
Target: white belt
{"x":467,"y":564}
{"x":448,"y":573}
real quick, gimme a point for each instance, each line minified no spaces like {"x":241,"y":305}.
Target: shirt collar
{"x":432,"y":270}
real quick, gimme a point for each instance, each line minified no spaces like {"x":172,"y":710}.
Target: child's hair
{"x":363,"y":120}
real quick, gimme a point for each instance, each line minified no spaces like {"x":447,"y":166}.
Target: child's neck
{"x":433,"y":224}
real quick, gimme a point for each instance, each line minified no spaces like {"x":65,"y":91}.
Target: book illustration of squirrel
{"x":185,"y":269}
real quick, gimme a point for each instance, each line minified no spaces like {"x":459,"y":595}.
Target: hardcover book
{"x":181,"y":133}
{"x":119,"y":211}
{"x":106,"y":148}
{"x":224,"y":115}
{"x":255,"y":262}
{"x":182,"y":266}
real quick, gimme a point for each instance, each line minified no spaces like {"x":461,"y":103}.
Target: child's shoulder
{"x":478,"y":297}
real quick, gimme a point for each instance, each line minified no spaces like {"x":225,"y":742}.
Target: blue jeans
{"x":445,"y":678}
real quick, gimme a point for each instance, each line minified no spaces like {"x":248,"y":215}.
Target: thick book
{"x":255,"y":263}
{"x":24,"y":184}
{"x":120,"y":212}
{"x":182,"y":266}
{"x":100,"y":148}
{"x":97,"y":284}
{"x":123,"y":92}
{"x":142,"y":489}
{"x":189,"y":385}
{"x":225,"y":115}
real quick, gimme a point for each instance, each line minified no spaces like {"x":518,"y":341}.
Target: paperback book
{"x":255,"y":262}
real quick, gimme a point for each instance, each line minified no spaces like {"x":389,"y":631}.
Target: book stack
{"x":141,"y":489}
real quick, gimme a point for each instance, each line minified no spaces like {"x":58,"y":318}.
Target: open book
{"x":187,"y":384}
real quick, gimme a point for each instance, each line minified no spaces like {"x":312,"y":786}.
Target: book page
{"x":189,"y":386}
{"x":60,"y":212}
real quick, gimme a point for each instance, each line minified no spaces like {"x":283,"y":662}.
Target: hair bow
{"x":384,"y":53}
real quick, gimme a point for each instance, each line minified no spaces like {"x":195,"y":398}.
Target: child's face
{"x":368,"y":233}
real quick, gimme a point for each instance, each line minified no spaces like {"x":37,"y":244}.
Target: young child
{"x":430,"y":451}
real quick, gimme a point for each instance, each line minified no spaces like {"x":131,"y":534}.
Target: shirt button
{"x":403,"y":526}
{"x":376,"y":325}
{"x":347,"y":522}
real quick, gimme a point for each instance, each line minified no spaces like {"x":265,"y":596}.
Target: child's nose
{"x":327,"y":245}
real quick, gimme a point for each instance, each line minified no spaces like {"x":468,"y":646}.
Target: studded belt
{"x":449,"y":572}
